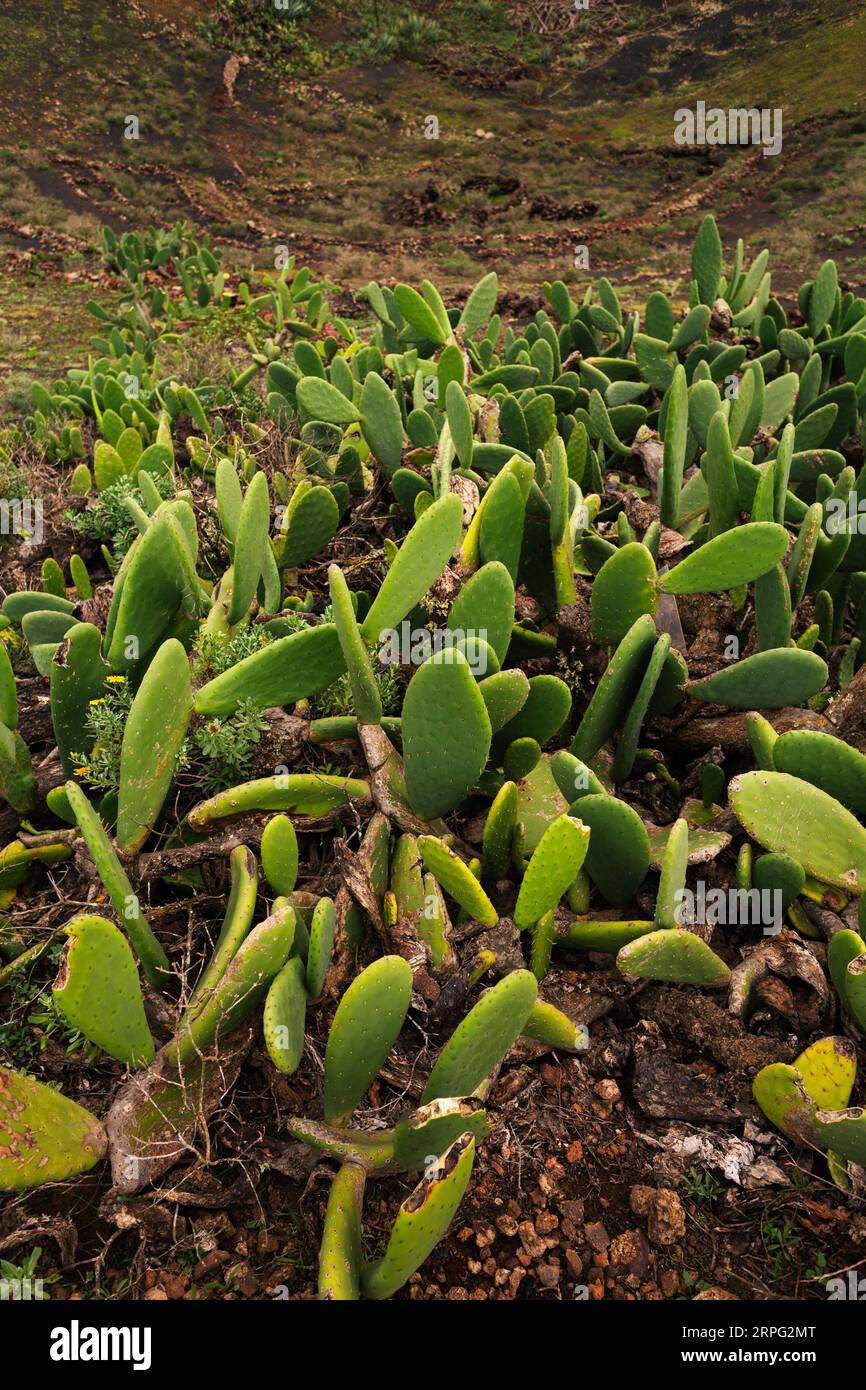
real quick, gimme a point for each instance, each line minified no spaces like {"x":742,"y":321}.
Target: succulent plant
{"x":510,"y":782}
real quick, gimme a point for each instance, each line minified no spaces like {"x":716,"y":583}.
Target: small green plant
{"x":108,"y":519}
{"x":702,"y":1185}
{"x":218,"y":753}
{"x":23,"y":1280}
{"x":98,"y":763}
{"x":781,"y":1242}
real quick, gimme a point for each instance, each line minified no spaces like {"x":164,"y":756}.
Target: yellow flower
{"x":100,"y":701}
{"x":115,"y":680}
{"x":82,"y":771}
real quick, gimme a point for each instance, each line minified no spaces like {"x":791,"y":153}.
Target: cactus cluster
{"x":561,"y":498}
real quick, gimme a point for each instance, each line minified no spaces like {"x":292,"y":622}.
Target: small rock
{"x":596,"y":1235}
{"x":607,"y":1090}
{"x":640,"y":1199}
{"x":631,"y":1251}
{"x":714,"y":1292}
{"x":210,"y":1264}
{"x":532,"y":1243}
{"x":575,"y":1264}
{"x":548,"y":1275}
{"x":667,"y":1220}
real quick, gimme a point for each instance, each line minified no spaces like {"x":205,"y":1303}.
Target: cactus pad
{"x":97,"y":990}
{"x":44,"y":1137}
{"x":675,"y":955}
{"x":365,"y":1027}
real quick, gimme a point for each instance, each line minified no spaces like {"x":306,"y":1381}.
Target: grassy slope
{"x":572,"y":144}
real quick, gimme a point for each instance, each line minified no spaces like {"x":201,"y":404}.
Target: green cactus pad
{"x":788,"y":816}
{"x":574,"y":778}
{"x":365,"y":691}
{"x":553,"y":867}
{"x":323,"y":929}
{"x":539,"y":803}
{"x":675,"y":444}
{"x":319,"y":400}
{"x":278,"y":674}
{"x":826,"y":762}
{"x":97,"y":990}
{"x":607,"y":937}
{"x":762,"y":737}
{"x":422,"y":1220}
{"x":843,"y":1131}
{"x":627,"y":745}
{"x":258,"y":959}
{"x":775,"y":679}
{"x":340,"y":1253}
{"x":733,"y":558}
{"x":304,"y":793}
{"x":500,"y":523}
{"x":118,"y":887}
{"x":504,"y":694}
{"x":779,"y":873}
{"x":279,"y":850}
{"x":481,"y":1041}
{"x":381,"y":422}
{"x":446,"y":734}
{"x":485,"y":607}
{"x":417,"y":565}
{"x":828,"y":1069}
{"x":236,"y":924}
{"x":781,"y":1094}
{"x":616,"y":689}
{"x":855,"y":991}
{"x":549,"y":1025}
{"x":249,"y":549}
{"x":365,"y":1027}
{"x":674,"y":955}
{"x":311,"y":520}
{"x":425,"y":1135}
{"x":498,"y":830}
{"x":843,"y":948}
{"x":148,"y":591}
{"x":78,"y":675}
{"x":434,"y":926}
{"x":284,"y":1016}
{"x":44,"y":1137}
{"x":155,"y":729}
{"x":520,"y":758}
{"x":625,"y":588}
{"x":673,"y":875}
{"x":619,"y":855}
{"x":543,"y":714}
{"x":457,"y":879}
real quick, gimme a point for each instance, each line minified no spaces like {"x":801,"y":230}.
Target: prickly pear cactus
{"x":98,"y":991}
{"x":44,"y":1137}
{"x":446,"y":734}
{"x":365,"y":1028}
